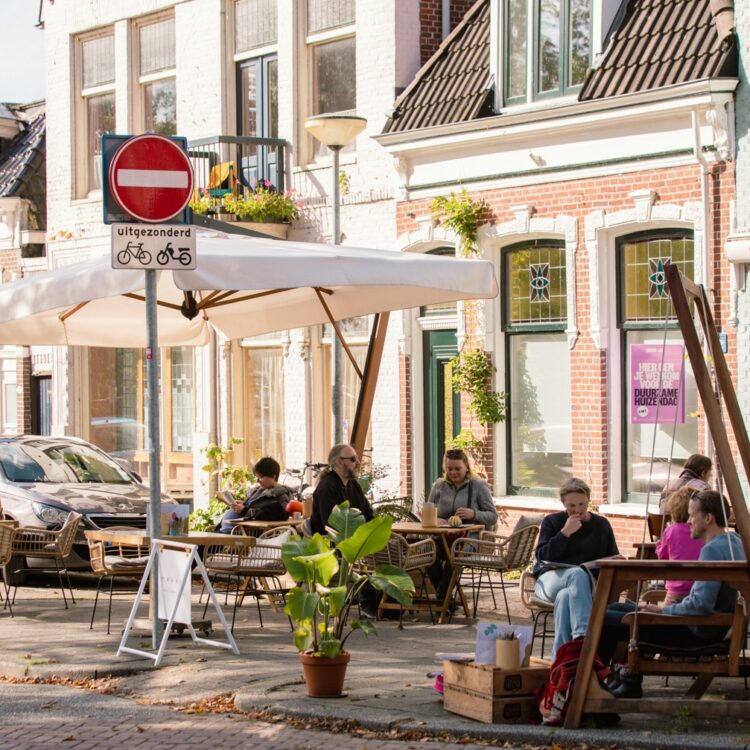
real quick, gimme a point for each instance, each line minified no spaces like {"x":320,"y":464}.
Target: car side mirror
{"x":123,"y":463}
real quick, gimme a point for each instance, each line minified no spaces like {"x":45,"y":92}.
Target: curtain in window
{"x":265,"y":399}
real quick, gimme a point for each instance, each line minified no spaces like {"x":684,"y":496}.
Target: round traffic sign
{"x":151,"y":178}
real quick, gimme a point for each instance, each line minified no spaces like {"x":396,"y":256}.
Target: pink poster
{"x":657,"y":384}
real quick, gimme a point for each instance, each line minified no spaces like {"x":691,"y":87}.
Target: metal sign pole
{"x":152,"y":360}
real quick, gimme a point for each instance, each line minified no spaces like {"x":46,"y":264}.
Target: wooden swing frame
{"x":617,"y":575}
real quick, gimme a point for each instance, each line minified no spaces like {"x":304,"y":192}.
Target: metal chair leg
{"x":505,"y":597}
{"x":109,"y":609}
{"x":96,"y":601}
{"x":62,"y":585}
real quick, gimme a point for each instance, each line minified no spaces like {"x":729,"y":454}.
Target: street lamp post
{"x":336,"y":131}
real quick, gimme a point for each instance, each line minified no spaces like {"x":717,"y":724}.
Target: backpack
{"x":554,"y":697}
{"x":266,"y":509}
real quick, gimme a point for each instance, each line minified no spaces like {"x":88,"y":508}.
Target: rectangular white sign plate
{"x":155,"y":246}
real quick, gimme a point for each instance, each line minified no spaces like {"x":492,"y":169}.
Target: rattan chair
{"x":7,"y":532}
{"x":50,"y":545}
{"x":115,"y":560}
{"x":415,"y":558}
{"x":540,"y":609}
{"x":493,"y":554}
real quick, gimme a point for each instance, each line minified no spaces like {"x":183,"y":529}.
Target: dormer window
{"x":546,"y":48}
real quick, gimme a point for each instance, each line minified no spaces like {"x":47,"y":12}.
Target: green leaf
{"x":336,"y":599}
{"x":366,"y":626}
{"x":367,"y":539}
{"x":345,"y":521}
{"x":330,"y":648}
{"x":297,"y":547}
{"x":395,"y":582}
{"x":303,"y":638}
{"x":301,"y":605}
{"x":321,"y":567}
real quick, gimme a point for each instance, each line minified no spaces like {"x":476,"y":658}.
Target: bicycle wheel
{"x":184,"y":258}
{"x":145,"y":258}
{"x":162,"y":258}
{"x":123,"y":257}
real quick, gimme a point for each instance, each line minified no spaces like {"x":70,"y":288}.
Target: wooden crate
{"x":493,"y":695}
{"x":516,"y":710}
{"x":493,"y":681}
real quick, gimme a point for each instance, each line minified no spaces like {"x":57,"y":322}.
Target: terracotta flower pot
{"x":324,"y":676}
{"x":274,"y":229}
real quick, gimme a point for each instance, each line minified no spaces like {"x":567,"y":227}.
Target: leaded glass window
{"x":536,"y":285}
{"x":645,"y":297}
{"x":255,"y":24}
{"x":329,"y":14}
{"x":183,"y":399}
{"x":157,"y":46}
{"x":98,"y":61}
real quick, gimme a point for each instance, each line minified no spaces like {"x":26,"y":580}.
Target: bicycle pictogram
{"x":182,"y":254}
{"x":135,"y":252}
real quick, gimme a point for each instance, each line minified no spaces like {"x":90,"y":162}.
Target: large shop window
{"x":332,"y":49}
{"x":539,"y":431}
{"x":97,"y":77}
{"x":264,"y":391}
{"x":557,"y":53}
{"x":645,"y":310}
{"x":118,"y":409}
{"x":157,"y":77}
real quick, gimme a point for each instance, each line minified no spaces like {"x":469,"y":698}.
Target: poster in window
{"x":657,"y":384}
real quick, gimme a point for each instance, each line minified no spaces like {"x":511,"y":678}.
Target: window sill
{"x":95,"y":196}
{"x":552,"y":102}
{"x":527,"y":502}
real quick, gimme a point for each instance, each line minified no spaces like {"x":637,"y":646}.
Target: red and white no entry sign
{"x":151,"y":178}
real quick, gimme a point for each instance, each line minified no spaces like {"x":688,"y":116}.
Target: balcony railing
{"x":228,"y":165}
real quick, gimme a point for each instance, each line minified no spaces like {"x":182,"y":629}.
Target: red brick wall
{"x":577,"y":198}
{"x":431,"y":23}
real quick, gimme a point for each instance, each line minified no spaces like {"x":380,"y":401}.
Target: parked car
{"x":43,"y":478}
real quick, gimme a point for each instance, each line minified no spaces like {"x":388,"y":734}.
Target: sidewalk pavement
{"x":386,"y":684}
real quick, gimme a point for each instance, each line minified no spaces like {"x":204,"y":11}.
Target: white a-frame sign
{"x":175,"y":565}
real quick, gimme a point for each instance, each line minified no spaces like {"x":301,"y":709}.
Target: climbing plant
{"x":461,"y":214}
{"x":472,"y":372}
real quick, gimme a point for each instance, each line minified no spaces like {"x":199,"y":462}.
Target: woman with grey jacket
{"x":463,"y":495}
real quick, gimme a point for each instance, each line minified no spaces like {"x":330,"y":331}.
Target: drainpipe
{"x":706,"y":215}
{"x":446,"y":18}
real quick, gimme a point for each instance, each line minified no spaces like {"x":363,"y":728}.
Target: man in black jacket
{"x":567,"y":541}
{"x":337,"y":484}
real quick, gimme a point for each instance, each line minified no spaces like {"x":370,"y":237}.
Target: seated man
{"x":708,"y":512}
{"x":567,"y":540}
{"x":266,"y":471}
{"x":337,"y":484}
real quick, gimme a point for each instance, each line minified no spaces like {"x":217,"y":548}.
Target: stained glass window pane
{"x":255,"y":24}
{"x":517,"y":31}
{"x":536,"y":285}
{"x":644,"y":287}
{"x":328,"y":14}
{"x":98,"y":61}
{"x":157,"y":46}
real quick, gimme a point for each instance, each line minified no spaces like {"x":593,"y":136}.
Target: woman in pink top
{"x":676,"y":542}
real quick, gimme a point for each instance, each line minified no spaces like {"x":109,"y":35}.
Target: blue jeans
{"x":570,"y":590}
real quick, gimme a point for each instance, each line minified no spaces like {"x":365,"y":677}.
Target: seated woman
{"x":696,"y":474}
{"x":459,"y":494}
{"x":568,"y":540}
{"x":676,"y":542}
{"x":267,"y":472}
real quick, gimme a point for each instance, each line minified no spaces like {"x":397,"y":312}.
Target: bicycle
{"x":135,"y":252}
{"x":294,"y":479}
{"x":168,"y":252}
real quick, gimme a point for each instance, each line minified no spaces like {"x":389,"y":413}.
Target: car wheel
{"x":15,"y":571}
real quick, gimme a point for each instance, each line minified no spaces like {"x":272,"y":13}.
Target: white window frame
{"x":82,"y":189}
{"x":144,"y":80}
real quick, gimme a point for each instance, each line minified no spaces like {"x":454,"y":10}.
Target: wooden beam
{"x":369,"y":381}
{"x":709,"y":399}
{"x":338,"y":333}
{"x":160,"y":303}
{"x":71,"y":311}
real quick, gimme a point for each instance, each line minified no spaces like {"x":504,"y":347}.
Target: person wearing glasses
{"x":460,"y":494}
{"x":338,"y":483}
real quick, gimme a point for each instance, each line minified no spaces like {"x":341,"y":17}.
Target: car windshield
{"x":45,"y":461}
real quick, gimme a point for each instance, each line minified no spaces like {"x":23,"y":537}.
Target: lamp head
{"x":335,"y":131}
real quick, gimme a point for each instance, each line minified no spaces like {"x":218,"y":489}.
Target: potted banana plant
{"x":331,"y":571}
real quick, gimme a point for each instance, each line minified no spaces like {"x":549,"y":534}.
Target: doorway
{"x":41,"y":404}
{"x":442,"y":407}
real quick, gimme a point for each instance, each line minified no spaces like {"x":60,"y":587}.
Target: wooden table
{"x":256,"y":528}
{"x":615,"y":576}
{"x":645,"y":550}
{"x":440,"y":532}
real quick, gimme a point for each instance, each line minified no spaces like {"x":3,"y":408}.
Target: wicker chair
{"x":415,"y":558}
{"x":7,"y":532}
{"x":253,"y":567}
{"x":117,"y":560}
{"x":493,"y":554}
{"x":540,"y":609}
{"x":50,"y":545}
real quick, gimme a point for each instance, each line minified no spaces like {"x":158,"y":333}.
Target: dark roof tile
{"x":19,"y":158}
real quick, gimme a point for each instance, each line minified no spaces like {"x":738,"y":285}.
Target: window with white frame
{"x":156,"y":76}
{"x":332,"y":60}
{"x":539,"y":424}
{"x":97,"y":91}
{"x":546,"y":48}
